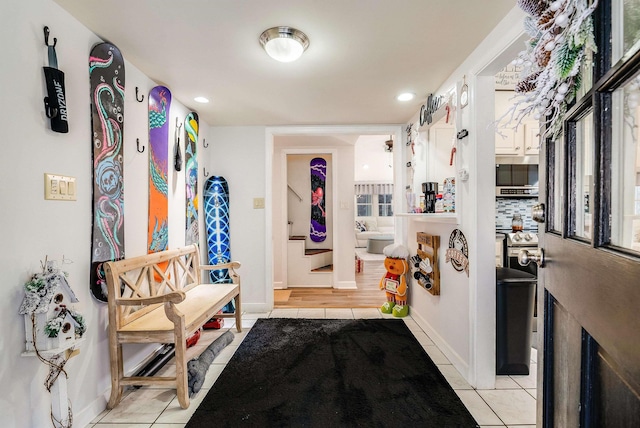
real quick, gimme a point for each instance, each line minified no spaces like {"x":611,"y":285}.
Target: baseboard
{"x":455,"y":359}
{"x":279,"y":286}
{"x":256,"y":307}
{"x":84,"y":417}
{"x":346,"y":285}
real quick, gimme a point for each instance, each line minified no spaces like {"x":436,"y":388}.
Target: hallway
{"x":367,"y":295}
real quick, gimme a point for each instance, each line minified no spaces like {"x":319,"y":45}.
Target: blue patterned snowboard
{"x":216,"y":212}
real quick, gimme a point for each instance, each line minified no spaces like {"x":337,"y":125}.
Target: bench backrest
{"x":150,"y":275}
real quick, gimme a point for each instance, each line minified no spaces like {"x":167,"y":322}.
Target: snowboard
{"x":107,"y":79}
{"x":216,"y":212}
{"x":191,"y":178}
{"x":318,"y":228}
{"x":158,"y":231}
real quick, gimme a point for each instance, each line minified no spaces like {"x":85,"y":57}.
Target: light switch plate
{"x":258,"y":203}
{"x":59,"y":187}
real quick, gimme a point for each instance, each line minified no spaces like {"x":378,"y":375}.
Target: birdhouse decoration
{"x":50,"y":323}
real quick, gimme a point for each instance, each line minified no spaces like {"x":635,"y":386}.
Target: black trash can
{"x":514,"y":316}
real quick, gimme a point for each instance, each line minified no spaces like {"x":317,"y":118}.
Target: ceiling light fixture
{"x":202,"y":100}
{"x":284,"y":44}
{"x":405,"y":96}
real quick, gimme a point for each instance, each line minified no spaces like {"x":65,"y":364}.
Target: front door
{"x":589,"y":285}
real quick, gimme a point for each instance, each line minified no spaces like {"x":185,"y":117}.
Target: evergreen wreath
{"x":561,"y":34}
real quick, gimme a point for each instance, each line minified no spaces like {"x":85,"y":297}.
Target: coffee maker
{"x":430,"y":190}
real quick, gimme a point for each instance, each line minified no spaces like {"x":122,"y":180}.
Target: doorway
{"x":305,"y":140}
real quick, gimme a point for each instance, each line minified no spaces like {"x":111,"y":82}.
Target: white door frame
{"x":270,"y":134}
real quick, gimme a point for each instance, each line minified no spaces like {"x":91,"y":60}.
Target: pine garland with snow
{"x":561,"y":34}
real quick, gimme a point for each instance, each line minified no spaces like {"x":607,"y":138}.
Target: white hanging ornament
{"x":563,"y":88}
{"x":555,"y":5}
{"x":562,"y":20}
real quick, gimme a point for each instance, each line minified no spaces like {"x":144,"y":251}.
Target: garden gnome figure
{"x":394,"y":282}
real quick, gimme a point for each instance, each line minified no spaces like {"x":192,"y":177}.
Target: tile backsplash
{"x":507,"y":207}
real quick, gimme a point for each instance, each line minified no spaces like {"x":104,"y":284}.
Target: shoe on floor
{"x":387,"y":307}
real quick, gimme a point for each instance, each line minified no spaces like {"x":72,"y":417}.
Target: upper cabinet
{"x":523,"y":142}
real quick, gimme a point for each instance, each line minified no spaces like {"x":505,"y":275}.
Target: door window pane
{"x":582,"y":209}
{"x":586,"y":74}
{"x":625,"y":27}
{"x":625,"y":168}
{"x":555,"y":190}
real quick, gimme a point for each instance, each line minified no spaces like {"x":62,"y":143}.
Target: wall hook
{"x":138,"y":146}
{"x":46,"y":38}
{"x":204,"y":143}
{"x":139,"y":99}
{"x":204,"y":172}
{"x":51,"y":112}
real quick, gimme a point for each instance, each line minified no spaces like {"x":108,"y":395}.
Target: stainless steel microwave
{"x":517,"y":180}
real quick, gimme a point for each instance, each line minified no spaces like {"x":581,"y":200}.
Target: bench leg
{"x":182,"y":387}
{"x":117,"y":372}
{"x":238,"y":314}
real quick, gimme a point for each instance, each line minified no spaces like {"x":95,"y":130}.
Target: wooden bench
{"x":160,"y":298}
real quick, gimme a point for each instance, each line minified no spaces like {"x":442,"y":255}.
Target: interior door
{"x":589,"y":284}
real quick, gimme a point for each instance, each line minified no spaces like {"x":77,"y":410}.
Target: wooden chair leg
{"x":238,"y":314}
{"x":117,"y":372}
{"x":182,"y":387}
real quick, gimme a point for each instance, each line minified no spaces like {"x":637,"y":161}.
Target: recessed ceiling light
{"x":365,"y":166}
{"x":284,"y":44}
{"x":405,"y":96}
{"x":202,"y":100}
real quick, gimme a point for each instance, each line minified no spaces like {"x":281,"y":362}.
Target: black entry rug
{"x":331,"y":373}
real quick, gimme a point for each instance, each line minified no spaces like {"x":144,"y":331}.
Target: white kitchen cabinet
{"x":524,"y":141}
{"x":510,"y":143}
{"x":531,"y":145}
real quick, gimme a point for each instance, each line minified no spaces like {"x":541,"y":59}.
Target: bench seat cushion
{"x":201,"y":303}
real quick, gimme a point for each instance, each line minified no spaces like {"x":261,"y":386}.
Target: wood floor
{"x":367,"y":295}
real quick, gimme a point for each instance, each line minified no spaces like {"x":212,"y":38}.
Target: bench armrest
{"x":174,"y":297}
{"x":230,"y":265}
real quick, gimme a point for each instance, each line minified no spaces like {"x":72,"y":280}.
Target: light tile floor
{"x":511,"y":404}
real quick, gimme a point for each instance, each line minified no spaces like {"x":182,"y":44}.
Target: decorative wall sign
{"x":429,"y":108}
{"x":464,"y":96}
{"x":425,"y":263}
{"x":458,"y":252}
{"x":508,"y":78}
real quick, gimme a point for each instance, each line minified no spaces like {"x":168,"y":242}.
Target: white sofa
{"x":374,"y":226}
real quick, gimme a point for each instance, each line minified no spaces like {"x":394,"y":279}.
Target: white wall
{"x":471,"y":345}
{"x":238,"y":154}
{"x":32,"y":228}
{"x":370,"y":151}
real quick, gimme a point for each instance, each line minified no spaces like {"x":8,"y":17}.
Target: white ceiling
{"x":362,"y":53}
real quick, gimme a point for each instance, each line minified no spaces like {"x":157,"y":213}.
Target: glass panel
{"x":583,"y":209}
{"x":385,"y":205}
{"x":586,"y":75}
{"x":363,"y":205}
{"x":625,"y":168}
{"x":625,"y":27}
{"x":556,"y":174}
